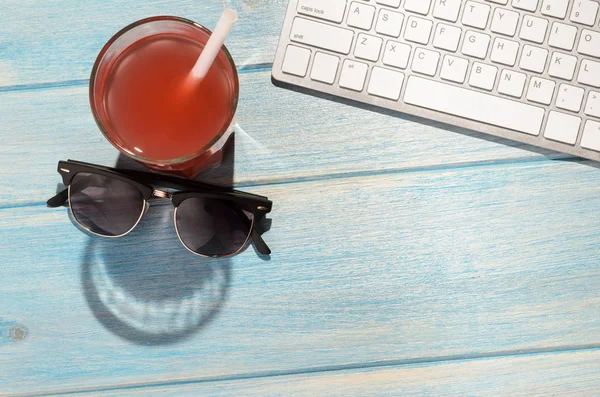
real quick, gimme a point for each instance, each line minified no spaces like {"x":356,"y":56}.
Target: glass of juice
{"x":147,"y":106}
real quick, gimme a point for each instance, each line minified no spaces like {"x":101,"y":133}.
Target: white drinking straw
{"x":215,"y":42}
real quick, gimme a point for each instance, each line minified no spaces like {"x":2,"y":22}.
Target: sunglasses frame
{"x":147,"y":182}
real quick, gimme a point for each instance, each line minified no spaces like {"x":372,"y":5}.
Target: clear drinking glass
{"x":145,"y":105}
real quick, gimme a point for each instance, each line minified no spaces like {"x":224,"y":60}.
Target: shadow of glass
{"x":146,"y":287}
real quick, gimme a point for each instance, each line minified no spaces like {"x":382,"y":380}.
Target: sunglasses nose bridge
{"x":161,"y":194}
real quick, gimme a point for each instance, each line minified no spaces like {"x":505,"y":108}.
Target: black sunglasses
{"x":210,"y":220}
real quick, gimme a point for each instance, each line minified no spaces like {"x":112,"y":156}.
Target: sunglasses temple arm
{"x":59,"y":199}
{"x":257,"y":239}
{"x":259,"y":243}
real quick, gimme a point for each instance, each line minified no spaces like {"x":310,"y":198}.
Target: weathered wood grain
{"x":557,"y":374}
{"x":389,"y":267}
{"x":312,"y":139}
{"x":393,"y":242}
{"x":49,"y":41}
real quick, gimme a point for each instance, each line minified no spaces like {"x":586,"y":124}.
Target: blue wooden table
{"x":409,"y":258}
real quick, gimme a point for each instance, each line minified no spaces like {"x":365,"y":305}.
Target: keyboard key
{"x":389,"y":23}
{"x":476,"y":44}
{"x":540,"y":90}
{"x":555,"y":8}
{"x":533,"y":59}
{"x":446,"y":37}
{"x":396,"y":54}
{"x":589,"y":43}
{"x":454,"y":69}
{"x":503,"y":2}
{"x":562,"y":36}
{"x":476,"y":14}
{"x":324,"y":68}
{"x":562,"y":127}
{"x":562,"y":66}
{"x":296,"y":61}
{"x":533,"y":29}
{"x":592,"y":107}
{"x":589,"y":73}
{"x":385,"y":83}
{"x":483,"y":76}
{"x":512,"y":83}
{"x":474,"y":105}
{"x":321,"y":35}
{"x":418,"y":30}
{"x":447,"y":10}
{"x":418,"y":6}
{"x":389,"y":3}
{"x":360,"y":16}
{"x":425,"y":61}
{"x":353,"y":75}
{"x":504,"y":51}
{"x":527,"y":5}
{"x":368,"y":47}
{"x":569,"y":97}
{"x":591,"y":136}
{"x":505,"y":22}
{"x":584,"y":12}
{"x":329,"y":10}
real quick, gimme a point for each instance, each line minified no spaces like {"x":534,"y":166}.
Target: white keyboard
{"x":527,"y":70}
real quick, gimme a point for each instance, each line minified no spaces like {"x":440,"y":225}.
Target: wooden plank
{"x":389,"y":267}
{"x":315,"y":139}
{"x":49,"y":41}
{"x":555,"y":374}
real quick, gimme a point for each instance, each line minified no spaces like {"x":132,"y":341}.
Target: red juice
{"x":148,"y":107}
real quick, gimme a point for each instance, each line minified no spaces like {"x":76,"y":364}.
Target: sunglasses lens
{"x":213,"y":227}
{"x":106,"y":206}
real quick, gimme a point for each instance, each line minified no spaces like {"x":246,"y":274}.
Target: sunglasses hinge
{"x":161,"y":194}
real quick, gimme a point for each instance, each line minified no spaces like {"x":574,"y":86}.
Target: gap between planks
{"x":245,"y":69}
{"x":325,"y":369}
{"x":517,"y":161}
